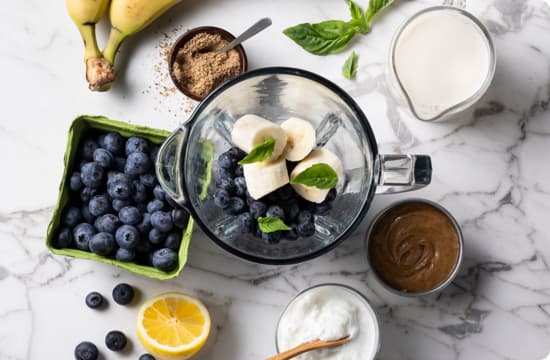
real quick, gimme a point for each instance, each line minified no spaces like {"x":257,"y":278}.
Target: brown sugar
{"x":199,"y":69}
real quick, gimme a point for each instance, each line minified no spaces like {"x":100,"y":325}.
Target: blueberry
{"x":92,"y":174}
{"x":236,"y":153}
{"x":180,"y":218}
{"x":119,"y":163}
{"x":120,"y":203}
{"x":173,"y":240}
{"x":137,"y":163}
{"x":129,"y":215}
{"x":136,"y":144}
{"x":305,"y":228}
{"x":82,"y":234}
{"x":323,"y":208}
{"x":87,"y":149}
{"x":240,"y":186}
{"x":155,"y":205}
{"x":107,"y":223}
{"x":159,"y":192}
{"x":112,"y":142}
{"x":74,"y":182}
{"x":140,"y":194}
{"x":225,"y":160}
{"x":331,"y":195}
{"x":144,"y":246}
{"x":99,"y":205}
{"x":86,"y":215}
{"x":226,"y":184}
{"x":291,"y":235}
{"x":239,"y":171}
{"x":123,"y":294}
{"x":87,"y":193}
{"x":71,"y":216}
{"x":272,"y":197}
{"x":225,"y":173}
{"x":162,"y":221}
{"x":236,"y":206}
{"x":165,"y":259}
{"x":272,"y":238}
{"x":156,"y":236}
{"x":286,"y":192}
{"x":305,"y":216}
{"x":103,"y":243}
{"x":154,"y":152}
{"x":221,"y":198}
{"x":292,"y":209}
{"x":275,"y":211}
{"x":127,"y":236}
{"x":125,"y":255}
{"x":146,"y":357}
{"x":103,"y":157}
{"x":246,"y":223}
{"x":63,"y":238}
{"x":142,"y":208}
{"x":148,"y":179}
{"x":145,"y":224}
{"x":94,"y":300}
{"x":115,"y":340}
{"x":86,"y":351}
{"x":257,"y":208}
{"x":120,"y":188}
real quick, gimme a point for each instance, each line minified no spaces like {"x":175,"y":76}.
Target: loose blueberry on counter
{"x":145,"y":224}
{"x":146,"y":357}
{"x":82,"y":234}
{"x":180,"y":217}
{"x":86,"y":194}
{"x":173,"y":240}
{"x":86,"y":351}
{"x":129,"y":215}
{"x":71,"y":216}
{"x":236,"y":206}
{"x":120,"y":203}
{"x":162,"y":221}
{"x":165,"y":259}
{"x":115,"y":340}
{"x":87,"y":149}
{"x":99,"y":205}
{"x":92,"y":174}
{"x":240,"y":186}
{"x":156,"y":236}
{"x":159,"y":192}
{"x":127,"y":236}
{"x":136,"y":144}
{"x":103,"y":157}
{"x":257,"y":208}
{"x":155,"y":205}
{"x":125,"y":255}
{"x":94,"y":300}
{"x":103,"y":243}
{"x":275,"y":211}
{"x":107,"y":223}
{"x":74,"y":182}
{"x":63,"y":239}
{"x":123,"y":294}
{"x":112,"y":142}
{"x":149,"y":180}
{"x":137,"y":163}
{"x":246,"y":223}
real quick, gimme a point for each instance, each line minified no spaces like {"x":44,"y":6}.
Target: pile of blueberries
{"x":117,"y":208}
{"x":232,"y":196}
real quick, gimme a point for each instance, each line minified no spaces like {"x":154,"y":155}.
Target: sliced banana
{"x":252,"y":130}
{"x":265,"y":176}
{"x":300,"y":138}
{"x":321,"y":155}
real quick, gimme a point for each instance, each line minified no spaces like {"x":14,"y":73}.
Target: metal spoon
{"x":308,"y":346}
{"x":247,"y":34}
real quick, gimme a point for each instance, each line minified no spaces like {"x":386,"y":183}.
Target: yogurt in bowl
{"x":330,"y":312}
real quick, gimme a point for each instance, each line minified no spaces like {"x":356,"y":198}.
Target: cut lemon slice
{"x":173,"y":325}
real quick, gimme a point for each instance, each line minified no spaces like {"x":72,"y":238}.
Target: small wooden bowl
{"x":186,"y":37}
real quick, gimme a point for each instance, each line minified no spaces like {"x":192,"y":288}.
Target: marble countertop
{"x":491,"y":170}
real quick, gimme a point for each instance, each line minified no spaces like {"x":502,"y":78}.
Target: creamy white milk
{"x":442,"y":58}
{"x":330,"y":312}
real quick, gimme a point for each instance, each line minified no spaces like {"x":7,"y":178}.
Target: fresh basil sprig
{"x":271,"y":224}
{"x":260,"y":153}
{"x":320,"y":175}
{"x":350,"y":66}
{"x":332,"y":36}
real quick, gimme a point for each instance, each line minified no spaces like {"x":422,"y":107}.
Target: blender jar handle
{"x":400,"y":173}
{"x":168,"y":165}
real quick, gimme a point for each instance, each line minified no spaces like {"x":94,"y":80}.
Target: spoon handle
{"x":251,"y":31}
{"x":308,"y":346}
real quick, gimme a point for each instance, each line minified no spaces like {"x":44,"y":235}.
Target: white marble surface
{"x":491,"y":170}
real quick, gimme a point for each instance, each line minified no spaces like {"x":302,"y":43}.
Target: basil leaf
{"x":260,"y":153}
{"x":320,"y":175}
{"x":327,"y":37}
{"x":357,"y":16}
{"x":271,"y":224}
{"x":350,"y":66}
{"x":375,"y":7}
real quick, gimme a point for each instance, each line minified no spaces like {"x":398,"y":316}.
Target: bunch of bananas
{"x":127,"y":18}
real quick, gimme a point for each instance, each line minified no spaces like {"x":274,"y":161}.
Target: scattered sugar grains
{"x":164,"y":93}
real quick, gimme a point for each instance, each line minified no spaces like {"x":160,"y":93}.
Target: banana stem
{"x":91,"y":49}
{"x":113,"y":43}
